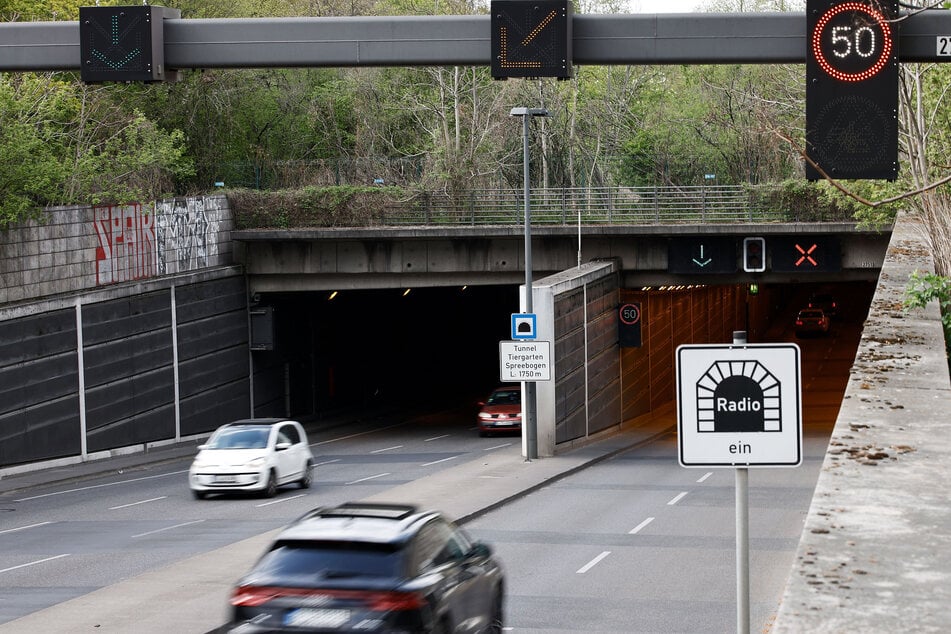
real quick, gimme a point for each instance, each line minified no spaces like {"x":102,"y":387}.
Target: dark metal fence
{"x":597,"y":205}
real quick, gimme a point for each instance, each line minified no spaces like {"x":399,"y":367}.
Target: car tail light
{"x":395,"y":601}
{"x":251,"y":596}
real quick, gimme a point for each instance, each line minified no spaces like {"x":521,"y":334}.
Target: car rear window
{"x":810,"y":314}
{"x":312,"y":561}
{"x":509,"y":397}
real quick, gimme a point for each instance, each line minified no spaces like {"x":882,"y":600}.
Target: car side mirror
{"x":480,"y":550}
{"x":201,"y":447}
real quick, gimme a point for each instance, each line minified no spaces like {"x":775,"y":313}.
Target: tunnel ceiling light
{"x":406,"y":292}
{"x":332,"y":295}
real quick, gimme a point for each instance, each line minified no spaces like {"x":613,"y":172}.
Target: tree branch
{"x":853,"y":195}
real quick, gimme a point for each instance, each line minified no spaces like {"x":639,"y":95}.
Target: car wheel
{"x":308,"y":478}
{"x":199,"y":495}
{"x":270,"y":489}
{"x":440,"y":627}
{"x":495,"y":625}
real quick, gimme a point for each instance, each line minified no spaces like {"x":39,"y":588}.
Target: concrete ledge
{"x":875,"y":552}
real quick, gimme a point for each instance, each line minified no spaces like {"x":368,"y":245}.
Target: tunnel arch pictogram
{"x":739,"y":396}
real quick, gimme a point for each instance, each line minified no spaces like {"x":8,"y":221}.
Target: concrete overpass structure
{"x":421,"y":256}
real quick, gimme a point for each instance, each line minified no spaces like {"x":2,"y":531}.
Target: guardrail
{"x":593,"y":205}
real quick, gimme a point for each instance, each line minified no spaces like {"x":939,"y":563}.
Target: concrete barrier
{"x":875,"y":552}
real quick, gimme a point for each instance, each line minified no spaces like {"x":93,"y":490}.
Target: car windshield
{"x":313,"y":561}
{"x":506,"y":397}
{"x":240,"y":438}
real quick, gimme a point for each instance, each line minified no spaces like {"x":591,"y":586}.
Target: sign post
{"x":739,"y":406}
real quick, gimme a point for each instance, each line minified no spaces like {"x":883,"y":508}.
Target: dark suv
{"x":826,"y":302}
{"x":371,"y":568}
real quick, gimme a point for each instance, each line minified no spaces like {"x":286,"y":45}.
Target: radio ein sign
{"x":739,"y":405}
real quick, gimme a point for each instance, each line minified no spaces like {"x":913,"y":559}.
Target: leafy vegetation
{"x":64,"y":143}
{"x":924,"y":288}
{"x":345,"y":206}
{"x":438,"y":129}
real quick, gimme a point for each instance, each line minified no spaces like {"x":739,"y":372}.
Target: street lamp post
{"x":531,"y":430}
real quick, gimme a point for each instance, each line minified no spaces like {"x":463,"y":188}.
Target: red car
{"x":502,"y":411}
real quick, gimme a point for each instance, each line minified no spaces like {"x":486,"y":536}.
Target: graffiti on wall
{"x":135,"y":243}
{"x":126,"y":248}
{"x":183,"y":235}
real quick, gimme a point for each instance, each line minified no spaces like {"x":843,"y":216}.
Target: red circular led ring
{"x":823,"y":22}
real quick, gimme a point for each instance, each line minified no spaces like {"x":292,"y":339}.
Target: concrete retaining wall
{"x":73,"y":249}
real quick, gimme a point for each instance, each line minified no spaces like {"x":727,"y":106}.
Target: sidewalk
{"x":160,"y":602}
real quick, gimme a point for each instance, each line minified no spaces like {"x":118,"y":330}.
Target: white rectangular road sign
{"x":524,"y":361}
{"x":739,"y":405}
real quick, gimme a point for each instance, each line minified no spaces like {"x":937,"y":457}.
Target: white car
{"x":257,"y":455}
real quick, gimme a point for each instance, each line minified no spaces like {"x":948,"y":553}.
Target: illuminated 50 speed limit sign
{"x":852,"y":90}
{"x":852,"y":41}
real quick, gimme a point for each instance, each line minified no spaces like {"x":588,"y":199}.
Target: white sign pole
{"x":742,"y":534}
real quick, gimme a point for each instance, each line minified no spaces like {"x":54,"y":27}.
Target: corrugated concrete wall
{"x":576,"y":312}
{"x":669,"y":318}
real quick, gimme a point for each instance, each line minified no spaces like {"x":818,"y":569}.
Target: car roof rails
{"x":368,"y":509}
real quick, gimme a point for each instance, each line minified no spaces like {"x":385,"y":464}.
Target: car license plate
{"x":316,"y":617}
{"x":225,"y":479}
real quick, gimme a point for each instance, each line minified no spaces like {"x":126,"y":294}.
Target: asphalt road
{"x":640,"y":544}
{"x":61,"y":542}
{"x":637,"y":543}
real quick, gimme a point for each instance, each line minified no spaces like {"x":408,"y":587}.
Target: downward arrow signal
{"x":701,"y":262}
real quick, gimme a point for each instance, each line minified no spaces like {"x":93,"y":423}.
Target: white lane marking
{"x":123,"y":506}
{"x":437,"y":437}
{"x":428,"y":464}
{"x":23,"y":528}
{"x":373,"y":477}
{"x":320,"y":464}
{"x":357,"y":435}
{"x":508,"y":444}
{"x":638,"y":528}
{"x":677,"y":498}
{"x":594,"y":562}
{"x":293,"y":497}
{"x":33,"y":563}
{"x":387,"y":449}
{"x":99,"y":486}
{"x":168,"y":528}
{"x":704,"y":477}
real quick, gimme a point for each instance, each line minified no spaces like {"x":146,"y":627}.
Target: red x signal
{"x":806,"y":255}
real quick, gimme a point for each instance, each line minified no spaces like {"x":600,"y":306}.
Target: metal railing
{"x":597,"y":205}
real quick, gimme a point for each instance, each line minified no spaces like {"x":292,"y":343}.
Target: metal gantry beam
{"x":638,"y":39}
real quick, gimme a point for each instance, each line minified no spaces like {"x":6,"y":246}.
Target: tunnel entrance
{"x":433,"y":346}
